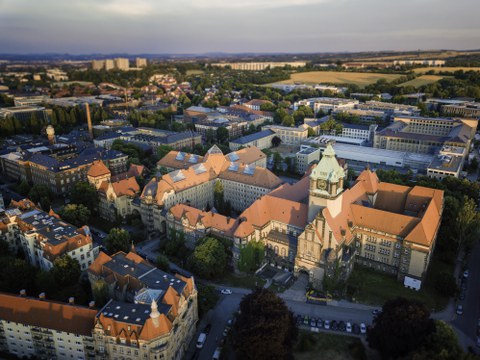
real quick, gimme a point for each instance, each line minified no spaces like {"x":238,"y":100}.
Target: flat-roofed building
{"x":326,"y":104}
{"x":252,"y":66}
{"x":140,"y":62}
{"x":305,"y":157}
{"x":390,"y":108}
{"x":25,"y":113}
{"x":121,"y":63}
{"x":289,"y":135}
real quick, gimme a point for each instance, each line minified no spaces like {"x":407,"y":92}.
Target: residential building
{"x":121,"y":63}
{"x":140,"y":62}
{"x":98,"y":64}
{"x":43,"y":329}
{"x":45,"y":237}
{"x":157,"y":321}
{"x":261,"y":140}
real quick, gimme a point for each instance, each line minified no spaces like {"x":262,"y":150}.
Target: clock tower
{"x":326,"y":185}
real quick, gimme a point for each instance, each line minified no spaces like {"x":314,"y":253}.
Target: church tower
{"x":326,"y":185}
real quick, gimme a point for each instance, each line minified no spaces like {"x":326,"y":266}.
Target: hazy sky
{"x":199,"y":26}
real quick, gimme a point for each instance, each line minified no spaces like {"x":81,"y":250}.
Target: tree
{"x":66,"y":270}
{"x":100,"y":292}
{"x":16,"y":275}
{"x":473,"y":165}
{"x":118,"y":240}
{"x":163,"y":150}
{"x":442,"y":344}
{"x":276,"y":141}
{"x":218,"y":197}
{"x":251,"y":256}
{"x":23,"y":188}
{"x":311,"y":132}
{"x":76,"y":214}
{"x":277,"y":161}
{"x":400,"y":328}
{"x":222,"y":134}
{"x":175,"y":244}
{"x":288,"y":120}
{"x":40,"y":193}
{"x":467,"y":223}
{"x":85,"y":194}
{"x":162,"y":263}
{"x":265,"y":328}
{"x":209,"y":258}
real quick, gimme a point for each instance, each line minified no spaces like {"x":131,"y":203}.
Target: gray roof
{"x":252,"y":137}
{"x":130,"y":313}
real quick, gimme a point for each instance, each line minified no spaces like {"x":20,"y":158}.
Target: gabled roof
{"x":98,"y":168}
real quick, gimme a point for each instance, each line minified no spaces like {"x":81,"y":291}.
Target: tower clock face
{"x":321,"y":184}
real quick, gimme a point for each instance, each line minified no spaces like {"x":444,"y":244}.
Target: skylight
{"x":233,"y":166}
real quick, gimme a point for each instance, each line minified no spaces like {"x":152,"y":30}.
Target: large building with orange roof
{"x":152,"y":314}
{"x":387,"y":227}
{"x":194,"y":185}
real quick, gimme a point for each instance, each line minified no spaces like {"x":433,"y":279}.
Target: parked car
{"x":334,"y":325}
{"x":459,"y":310}
{"x":348,"y":327}
{"x":226,"y":292}
{"x":326,"y":324}
{"x":313,"y":322}
{"x":356,"y":329}
{"x":376,"y":312}
{"x":305,"y":320}
{"x":201,"y":340}
{"x":225,"y":331}
{"x":319,"y":323}
{"x":462,"y":295}
{"x":299,"y":319}
{"x":216,"y":354}
{"x":466,"y":273}
{"x":363,"y":328}
{"x":342,"y":326}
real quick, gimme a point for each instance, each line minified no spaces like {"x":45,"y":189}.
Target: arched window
{"x":276,"y":250}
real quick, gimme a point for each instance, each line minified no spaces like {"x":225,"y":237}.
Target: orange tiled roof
{"x":249,"y":155}
{"x":127,"y":187}
{"x":98,"y":168}
{"x":47,"y":314}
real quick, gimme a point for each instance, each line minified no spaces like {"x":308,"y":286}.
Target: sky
{"x":236,"y":26}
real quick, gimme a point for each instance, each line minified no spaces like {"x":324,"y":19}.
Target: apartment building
{"x":159,"y":317}
{"x":261,"y":140}
{"x":45,"y":236}
{"x":43,"y":329}
{"x":140,"y":62}
{"x":258,"y":66}
{"x":242,"y":184}
{"x":425,"y":135}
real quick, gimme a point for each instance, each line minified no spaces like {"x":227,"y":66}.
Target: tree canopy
{"x":401,"y":327}
{"x":76,"y":214}
{"x":251,"y":256}
{"x":66,"y":270}
{"x":118,"y":240}
{"x":209,"y":259}
{"x":265,"y":328}
{"x":85,"y":194}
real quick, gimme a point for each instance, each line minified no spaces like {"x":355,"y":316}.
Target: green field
{"x":338,"y":77}
{"x":422,"y":80}
{"x":331,"y":347}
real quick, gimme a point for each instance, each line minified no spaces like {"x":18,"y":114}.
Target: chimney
{"x":23,"y":292}
{"x":89,"y":120}
{"x":71,"y":300}
{"x":91,"y":304}
{"x":42,"y":296}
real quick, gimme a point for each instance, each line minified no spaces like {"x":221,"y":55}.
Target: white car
{"x":326,"y":324}
{"x":349,"y":327}
{"x":459,"y":309}
{"x":226,"y":292}
{"x":363,"y":328}
{"x":466,"y":273}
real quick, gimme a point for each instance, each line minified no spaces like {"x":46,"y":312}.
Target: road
{"x":467,"y":322}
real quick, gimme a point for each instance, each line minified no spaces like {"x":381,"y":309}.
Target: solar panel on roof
{"x":233,"y":156}
{"x":249,"y":170}
{"x":233,"y":166}
{"x":180,"y":156}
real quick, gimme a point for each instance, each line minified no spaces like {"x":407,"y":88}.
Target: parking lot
{"x":316,"y":325}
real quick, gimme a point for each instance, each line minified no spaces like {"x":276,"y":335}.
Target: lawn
{"x":422,"y":80}
{"x":374,"y":288}
{"x":331,"y":347}
{"x":444,"y":69}
{"x":338,"y":77}
{"x":241,"y":281}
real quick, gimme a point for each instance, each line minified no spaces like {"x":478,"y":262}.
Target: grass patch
{"x":195,"y":72}
{"x":422,"y":80}
{"x":372,"y":287}
{"x":244,"y":281}
{"x":338,"y":77}
{"x":331,"y":347}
